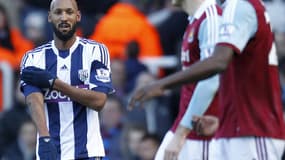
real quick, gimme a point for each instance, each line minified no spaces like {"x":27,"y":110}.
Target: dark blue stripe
{"x":93,"y":51}
{"x":101,"y":53}
{"x":92,"y":158}
{"x":53,"y":108}
{"x":108,"y":58}
{"x":24,"y":60}
{"x":105,"y":56}
{"x":79,"y":111}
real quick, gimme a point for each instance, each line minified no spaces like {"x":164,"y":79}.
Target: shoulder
{"x":89,"y":42}
{"x":211,"y":16}
{"x":41,"y":49}
{"x":239,"y":7}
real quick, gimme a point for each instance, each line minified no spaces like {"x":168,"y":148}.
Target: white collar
{"x":71,"y":49}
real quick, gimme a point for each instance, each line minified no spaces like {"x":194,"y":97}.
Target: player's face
{"x":177,"y":3}
{"x":64,"y":16}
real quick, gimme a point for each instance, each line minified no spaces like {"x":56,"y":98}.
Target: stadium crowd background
{"x":143,"y":37}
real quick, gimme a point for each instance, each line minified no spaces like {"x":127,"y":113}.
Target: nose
{"x":63,"y":16}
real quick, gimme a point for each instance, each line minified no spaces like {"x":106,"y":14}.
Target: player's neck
{"x":64,"y":45}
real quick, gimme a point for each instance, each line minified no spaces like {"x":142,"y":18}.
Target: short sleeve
{"x":26,"y":89}
{"x":100,"y":72}
{"x":238,"y":26}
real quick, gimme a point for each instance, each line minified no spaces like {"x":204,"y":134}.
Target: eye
{"x":69,"y":11}
{"x":57,"y":12}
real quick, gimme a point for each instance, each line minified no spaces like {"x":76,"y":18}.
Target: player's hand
{"x":205,"y":125}
{"x":144,"y":93}
{"x":47,"y":149}
{"x":174,"y":147}
{"x":38,"y":77}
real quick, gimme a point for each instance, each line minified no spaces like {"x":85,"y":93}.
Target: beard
{"x":64,"y":36}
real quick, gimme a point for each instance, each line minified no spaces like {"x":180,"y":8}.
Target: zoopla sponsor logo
{"x":56,"y":96}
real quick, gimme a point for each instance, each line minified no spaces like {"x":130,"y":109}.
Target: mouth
{"x":64,"y":26}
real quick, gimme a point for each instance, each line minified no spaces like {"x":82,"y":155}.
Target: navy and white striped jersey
{"x":73,"y":127}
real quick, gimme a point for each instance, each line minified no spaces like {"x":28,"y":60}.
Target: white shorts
{"x":246,"y":148}
{"x":192,"y":149}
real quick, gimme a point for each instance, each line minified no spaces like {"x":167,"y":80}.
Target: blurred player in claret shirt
{"x":66,"y":83}
{"x":198,"y":43}
{"x":251,"y":120}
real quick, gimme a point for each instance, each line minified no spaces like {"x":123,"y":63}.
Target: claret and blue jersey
{"x":74,"y":127}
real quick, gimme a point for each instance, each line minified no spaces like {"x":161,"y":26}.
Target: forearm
{"x":201,"y":100}
{"x":194,"y":73}
{"x":201,"y":69}
{"x":88,"y":98}
{"x":36,"y":106}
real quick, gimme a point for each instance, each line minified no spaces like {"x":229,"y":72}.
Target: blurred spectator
{"x":11,"y":39}
{"x":31,"y":7}
{"x":12,"y":8}
{"x":280,"y":44}
{"x":132,"y":134}
{"x":42,"y":4}
{"x":25,"y":146}
{"x":111,"y":118}
{"x":91,"y":14}
{"x":148,"y":146}
{"x":275,"y":8}
{"x":34,"y":25}
{"x":123,"y":23}
{"x":170,"y":23}
{"x":12,"y":46}
{"x":119,"y":78}
{"x":156,"y":115}
{"x":133,"y":65}
{"x":11,"y":120}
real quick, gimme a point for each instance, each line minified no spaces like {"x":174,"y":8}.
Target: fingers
{"x":136,"y":99}
{"x":205,"y":125}
{"x":196,"y":123}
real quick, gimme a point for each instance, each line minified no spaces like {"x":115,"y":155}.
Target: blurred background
{"x":143,"y":38}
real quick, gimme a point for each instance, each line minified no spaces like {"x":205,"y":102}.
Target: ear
{"x":78,"y":16}
{"x":49,"y":16}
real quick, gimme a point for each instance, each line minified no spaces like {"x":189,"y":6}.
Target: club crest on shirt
{"x":226,"y":30}
{"x":83,"y":74}
{"x":191,"y":35}
{"x":102,"y":75}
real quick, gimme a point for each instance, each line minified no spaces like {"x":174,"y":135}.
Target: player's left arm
{"x":88,"y":98}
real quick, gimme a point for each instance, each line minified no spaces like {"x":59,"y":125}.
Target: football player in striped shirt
{"x":66,"y":83}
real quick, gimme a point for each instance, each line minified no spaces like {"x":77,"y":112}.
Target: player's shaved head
{"x":55,"y":2}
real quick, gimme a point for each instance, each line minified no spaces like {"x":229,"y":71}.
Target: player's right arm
{"x":34,"y":98}
{"x":35,"y":102}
